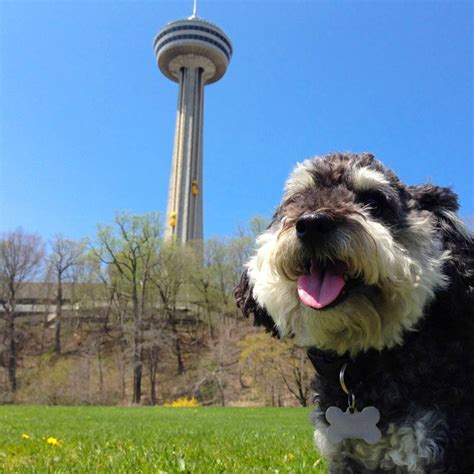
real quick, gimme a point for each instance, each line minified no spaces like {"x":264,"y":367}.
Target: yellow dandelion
{"x":53,"y":441}
{"x":25,"y":436}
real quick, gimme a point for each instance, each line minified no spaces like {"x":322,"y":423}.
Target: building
{"x":193,"y":53}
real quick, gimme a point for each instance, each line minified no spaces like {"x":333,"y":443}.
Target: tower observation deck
{"x":193,"y":53}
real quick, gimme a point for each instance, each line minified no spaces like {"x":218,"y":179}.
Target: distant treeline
{"x":126,"y":317}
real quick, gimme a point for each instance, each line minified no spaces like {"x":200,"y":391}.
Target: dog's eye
{"x":374,"y":200}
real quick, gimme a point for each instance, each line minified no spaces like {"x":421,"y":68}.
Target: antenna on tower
{"x":194,"y":15}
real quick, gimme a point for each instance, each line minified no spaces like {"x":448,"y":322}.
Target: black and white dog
{"x":375,"y":278}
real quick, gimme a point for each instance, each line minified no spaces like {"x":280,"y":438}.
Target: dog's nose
{"x":313,"y":225}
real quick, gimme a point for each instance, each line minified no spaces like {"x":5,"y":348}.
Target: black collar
{"x":327,"y":363}
{"x":365,"y":365}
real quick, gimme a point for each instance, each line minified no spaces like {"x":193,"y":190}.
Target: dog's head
{"x":351,"y":257}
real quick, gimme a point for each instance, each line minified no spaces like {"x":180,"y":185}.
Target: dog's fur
{"x":405,"y":323}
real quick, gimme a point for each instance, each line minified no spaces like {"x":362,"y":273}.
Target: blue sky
{"x":87,"y":119}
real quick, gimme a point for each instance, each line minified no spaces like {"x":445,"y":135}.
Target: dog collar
{"x":328,"y":365}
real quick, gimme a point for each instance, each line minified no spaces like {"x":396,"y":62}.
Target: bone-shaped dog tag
{"x":355,"y":425}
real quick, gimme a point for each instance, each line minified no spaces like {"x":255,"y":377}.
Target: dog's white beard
{"x":407,"y":273}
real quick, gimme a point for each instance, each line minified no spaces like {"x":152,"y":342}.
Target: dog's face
{"x":351,"y":258}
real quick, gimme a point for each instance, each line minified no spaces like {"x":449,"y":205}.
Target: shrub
{"x":182,"y":402}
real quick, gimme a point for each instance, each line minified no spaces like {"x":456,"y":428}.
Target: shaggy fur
{"x":403,"y":322}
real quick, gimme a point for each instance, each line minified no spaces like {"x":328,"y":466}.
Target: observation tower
{"x":193,"y":53}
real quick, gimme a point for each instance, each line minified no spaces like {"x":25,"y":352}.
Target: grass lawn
{"x":156,"y":440}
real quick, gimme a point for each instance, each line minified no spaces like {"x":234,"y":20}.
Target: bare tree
{"x":155,"y":343}
{"x":65,"y":256}
{"x":296,"y":374}
{"x":205,"y":293}
{"x":129,"y":249}
{"x":175,"y":263}
{"x":225,"y":355}
{"x":21,"y":256}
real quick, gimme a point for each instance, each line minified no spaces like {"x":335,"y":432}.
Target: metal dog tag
{"x":353,"y":424}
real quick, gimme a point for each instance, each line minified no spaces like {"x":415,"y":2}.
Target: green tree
{"x":276,"y":365}
{"x":130,"y":250}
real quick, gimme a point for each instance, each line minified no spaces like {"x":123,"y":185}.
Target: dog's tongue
{"x":323,"y":285}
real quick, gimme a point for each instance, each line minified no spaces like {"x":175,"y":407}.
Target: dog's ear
{"x":443,"y":204}
{"x":435,"y":199}
{"x":243,"y":295}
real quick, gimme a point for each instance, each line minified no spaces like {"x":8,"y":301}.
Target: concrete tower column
{"x":192,"y":52}
{"x":186,"y":180}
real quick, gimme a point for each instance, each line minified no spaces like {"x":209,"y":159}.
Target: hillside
{"x":237,"y":365}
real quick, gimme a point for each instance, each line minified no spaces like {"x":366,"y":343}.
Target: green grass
{"x":154,"y":440}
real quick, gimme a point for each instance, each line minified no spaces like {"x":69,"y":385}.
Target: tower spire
{"x":194,"y":15}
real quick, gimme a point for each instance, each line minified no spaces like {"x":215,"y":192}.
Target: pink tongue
{"x":322,"y":286}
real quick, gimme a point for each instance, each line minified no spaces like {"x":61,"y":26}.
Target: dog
{"x":375,"y":278}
